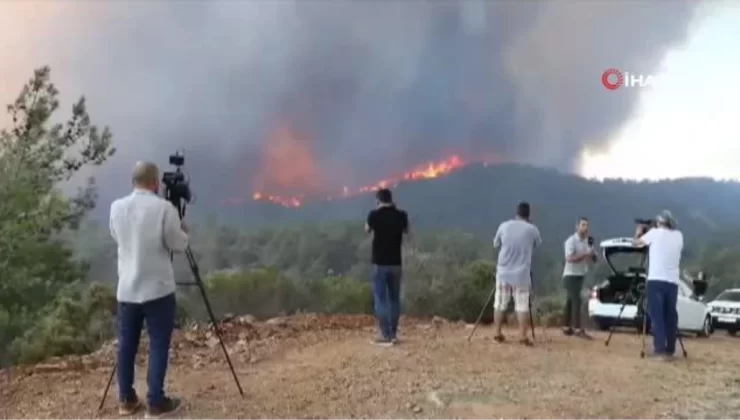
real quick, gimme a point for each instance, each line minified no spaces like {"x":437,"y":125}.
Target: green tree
{"x":36,"y":158}
{"x":76,"y":322}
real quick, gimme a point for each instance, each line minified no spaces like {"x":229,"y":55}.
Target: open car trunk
{"x":628,"y":275}
{"x":627,"y":278}
{"x":610,"y":294}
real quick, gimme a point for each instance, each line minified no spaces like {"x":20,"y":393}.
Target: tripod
{"x":198,"y":282}
{"x":631,"y":292}
{"x":644,"y":333}
{"x":642,"y":306}
{"x":488,"y":302}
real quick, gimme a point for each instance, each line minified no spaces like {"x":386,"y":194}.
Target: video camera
{"x":176,"y":184}
{"x":590,"y":241}
{"x":646,"y":224}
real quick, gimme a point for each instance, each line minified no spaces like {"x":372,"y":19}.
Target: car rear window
{"x":732,"y":296}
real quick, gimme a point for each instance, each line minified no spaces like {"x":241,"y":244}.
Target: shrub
{"x":455,"y":293}
{"x":337,"y":294}
{"x":550,"y":309}
{"x":476,"y":285}
{"x":262,"y":292}
{"x":76,"y":322}
{"x":266,"y":293}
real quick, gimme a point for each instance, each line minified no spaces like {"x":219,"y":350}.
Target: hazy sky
{"x":686,"y":120}
{"x":689,"y":125}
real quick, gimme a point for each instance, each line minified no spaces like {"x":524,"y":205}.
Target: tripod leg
{"x":644,"y":326}
{"x":482,"y":311}
{"x":194,"y":268}
{"x":110,"y":381}
{"x":217,"y":330}
{"x":544,"y":326}
{"x":531,"y":294}
{"x":683,"y":348}
{"x":616,"y":321}
{"x":644,"y":333}
{"x":531,"y":318}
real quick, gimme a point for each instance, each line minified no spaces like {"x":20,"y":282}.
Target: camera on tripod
{"x":177,"y":191}
{"x":646,"y":224}
{"x":176,"y":184}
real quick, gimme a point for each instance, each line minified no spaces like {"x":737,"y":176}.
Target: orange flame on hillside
{"x":287,"y":165}
{"x":283,"y":201}
{"x":425,"y":171}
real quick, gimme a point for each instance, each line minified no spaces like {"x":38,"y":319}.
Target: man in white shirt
{"x":146,"y":228}
{"x":665,"y":244}
{"x":516,"y":240}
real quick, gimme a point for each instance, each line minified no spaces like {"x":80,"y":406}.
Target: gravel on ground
{"x":315,"y":366}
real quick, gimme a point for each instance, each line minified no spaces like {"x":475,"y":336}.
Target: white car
{"x":726,"y":311}
{"x":624,"y":290}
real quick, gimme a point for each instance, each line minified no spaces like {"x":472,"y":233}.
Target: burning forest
{"x":288,"y":173}
{"x":427,"y":170}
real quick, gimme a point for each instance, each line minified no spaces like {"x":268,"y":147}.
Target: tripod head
{"x":177,"y":184}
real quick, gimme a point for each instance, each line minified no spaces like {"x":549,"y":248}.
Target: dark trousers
{"x":661,"y":302}
{"x":572,"y":309}
{"x":387,"y":298}
{"x":159,"y":315}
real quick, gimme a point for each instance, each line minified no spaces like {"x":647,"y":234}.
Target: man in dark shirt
{"x":388,"y":224}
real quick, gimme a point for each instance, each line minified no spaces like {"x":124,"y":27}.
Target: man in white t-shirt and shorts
{"x":516,"y":240}
{"x":665,"y":244}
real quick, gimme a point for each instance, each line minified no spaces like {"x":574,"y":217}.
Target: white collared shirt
{"x":664,"y":254}
{"x":575,"y":245}
{"x":146,"y":228}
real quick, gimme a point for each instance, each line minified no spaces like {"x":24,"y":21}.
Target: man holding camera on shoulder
{"x":146,"y":229}
{"x":579,"y":254}
{"x":665,"y":244}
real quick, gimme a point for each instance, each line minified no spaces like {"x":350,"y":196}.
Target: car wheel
{"x":706,"y":329}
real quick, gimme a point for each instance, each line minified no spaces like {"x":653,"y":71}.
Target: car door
{"x":690,"y":311}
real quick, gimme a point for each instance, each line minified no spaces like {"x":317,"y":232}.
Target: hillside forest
{"x":58,"y":262}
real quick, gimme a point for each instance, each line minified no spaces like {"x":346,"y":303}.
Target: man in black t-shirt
{"x":388,"y":224}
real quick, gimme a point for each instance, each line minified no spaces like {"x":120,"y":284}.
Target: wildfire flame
{"x":288,"y":173}
{"x":427,"y":170}
{"x":287,"y":164}
{"x":283,"y":201}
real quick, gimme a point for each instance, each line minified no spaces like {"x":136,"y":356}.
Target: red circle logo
{"x":612,"y":79}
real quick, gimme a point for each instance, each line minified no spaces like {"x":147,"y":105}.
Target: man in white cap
{"x":665,"y":244}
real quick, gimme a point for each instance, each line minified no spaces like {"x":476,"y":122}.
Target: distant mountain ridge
{"x":477,"y":198}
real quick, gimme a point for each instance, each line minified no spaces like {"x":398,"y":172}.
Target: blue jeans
{"x":159,"y":315}
{"x":387,"y":298}
{"x":661,"y":301}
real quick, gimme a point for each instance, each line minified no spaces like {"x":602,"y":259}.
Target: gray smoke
{"x":377,"y":86}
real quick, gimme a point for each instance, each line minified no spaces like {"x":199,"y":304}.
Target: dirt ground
{"x":314,"y":366}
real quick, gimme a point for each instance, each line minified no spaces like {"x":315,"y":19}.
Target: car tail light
{"x":595,"y":293}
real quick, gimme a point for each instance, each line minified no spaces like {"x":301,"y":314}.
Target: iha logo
{"x":613,"y":79}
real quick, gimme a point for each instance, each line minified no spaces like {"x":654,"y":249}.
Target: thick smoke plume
{"x":298,"y":95}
